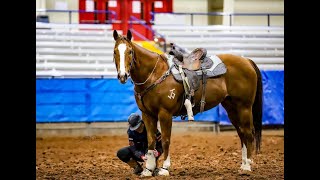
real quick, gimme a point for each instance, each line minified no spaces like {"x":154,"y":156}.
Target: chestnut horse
{"x":159,"y":97}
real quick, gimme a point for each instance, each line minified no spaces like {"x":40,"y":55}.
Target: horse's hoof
{"x":244,"y":172}
{"x":163,"y":172}
{"x":245,"y":167}
{"x":145,"y":173}
{"x":191,"y":119}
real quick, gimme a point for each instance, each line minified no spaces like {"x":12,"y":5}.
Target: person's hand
{"x":156,"y":153}
{"x":143,"y":157}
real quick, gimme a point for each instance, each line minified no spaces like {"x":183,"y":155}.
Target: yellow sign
{"x":150,"y":46}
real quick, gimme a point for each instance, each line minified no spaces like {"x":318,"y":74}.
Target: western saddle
{"x":192,"y":61}
{"x":187,"y":65}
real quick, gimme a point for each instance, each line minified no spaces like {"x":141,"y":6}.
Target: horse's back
{"x":241,"y":77}
{"x":235,"y":61}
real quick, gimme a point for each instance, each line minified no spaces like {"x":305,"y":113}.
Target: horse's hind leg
{"x":247,"y":131}
{"x":166,"y":124}
{"x":241,"y":118}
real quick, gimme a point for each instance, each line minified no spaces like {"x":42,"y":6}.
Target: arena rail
{"x":217,"y":27}
{"x":69,"y":12}
{"x":231,"y":15}
{"x":134,"y":20}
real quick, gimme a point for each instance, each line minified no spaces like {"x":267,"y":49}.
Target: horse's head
{"x":123,"y":55}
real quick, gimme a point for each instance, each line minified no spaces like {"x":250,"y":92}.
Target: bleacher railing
{"x":112,"y":15}
{"x":231,"y":15}
{"x":134,"y":20}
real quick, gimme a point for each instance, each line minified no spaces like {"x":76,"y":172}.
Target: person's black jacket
{"x":139,"y":142}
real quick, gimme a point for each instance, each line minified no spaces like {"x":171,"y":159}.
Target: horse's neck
{"x":145,"y":65}
{"x":143,"y":56}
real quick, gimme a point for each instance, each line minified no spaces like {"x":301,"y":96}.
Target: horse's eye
{"x":114,"y":52}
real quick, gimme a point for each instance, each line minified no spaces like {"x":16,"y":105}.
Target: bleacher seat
{"x":262,"y":44}
{"x":74,"y":50}
{"x":81,"y":50}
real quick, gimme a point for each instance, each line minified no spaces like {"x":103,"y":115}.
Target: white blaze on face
{"x":122,"y":48}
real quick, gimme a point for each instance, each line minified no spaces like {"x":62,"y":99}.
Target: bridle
{"x":141,"y":94}
{"x":131,"y":64}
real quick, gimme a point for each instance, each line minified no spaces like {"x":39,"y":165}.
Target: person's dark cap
{"x":135,"y":121}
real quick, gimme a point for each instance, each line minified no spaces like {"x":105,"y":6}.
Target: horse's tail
{"x":257,"y":108}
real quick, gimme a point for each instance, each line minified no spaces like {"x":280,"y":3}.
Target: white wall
{"x":40,"y":4}
{"x":259,"y":6}
{"x":262,"y":6}
{"x":59,"y":17}
{"x":192,"y":6}
{"x":233,"y":6}
{"x":228,"y":7}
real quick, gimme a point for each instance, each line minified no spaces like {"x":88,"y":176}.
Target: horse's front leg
{"x":151,"y":127}
{"x":165,"y":119}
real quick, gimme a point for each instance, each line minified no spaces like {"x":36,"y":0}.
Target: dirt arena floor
{"x":196,"y":155}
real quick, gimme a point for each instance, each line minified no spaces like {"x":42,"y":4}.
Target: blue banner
{"x":107,"y":100}
{"x":273,"y":99}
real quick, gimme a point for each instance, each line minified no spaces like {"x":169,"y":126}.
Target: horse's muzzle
{"x":123,"y":78}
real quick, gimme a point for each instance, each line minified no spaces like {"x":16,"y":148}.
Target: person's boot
{"x":137,"y":169}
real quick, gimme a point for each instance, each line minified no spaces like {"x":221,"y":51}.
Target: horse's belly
{"x":214,"y":94}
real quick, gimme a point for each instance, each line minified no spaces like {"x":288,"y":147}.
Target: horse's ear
{"x":115,"y":35}
{"x":129,"y":35}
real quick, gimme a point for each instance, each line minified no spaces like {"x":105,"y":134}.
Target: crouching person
{"x":134,"y":154}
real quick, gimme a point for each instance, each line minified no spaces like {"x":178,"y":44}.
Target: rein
{"x":141,"y":94}
{"x":149,"y":74}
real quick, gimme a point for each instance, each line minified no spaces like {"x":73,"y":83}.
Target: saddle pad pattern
{"x":218,"y":68}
